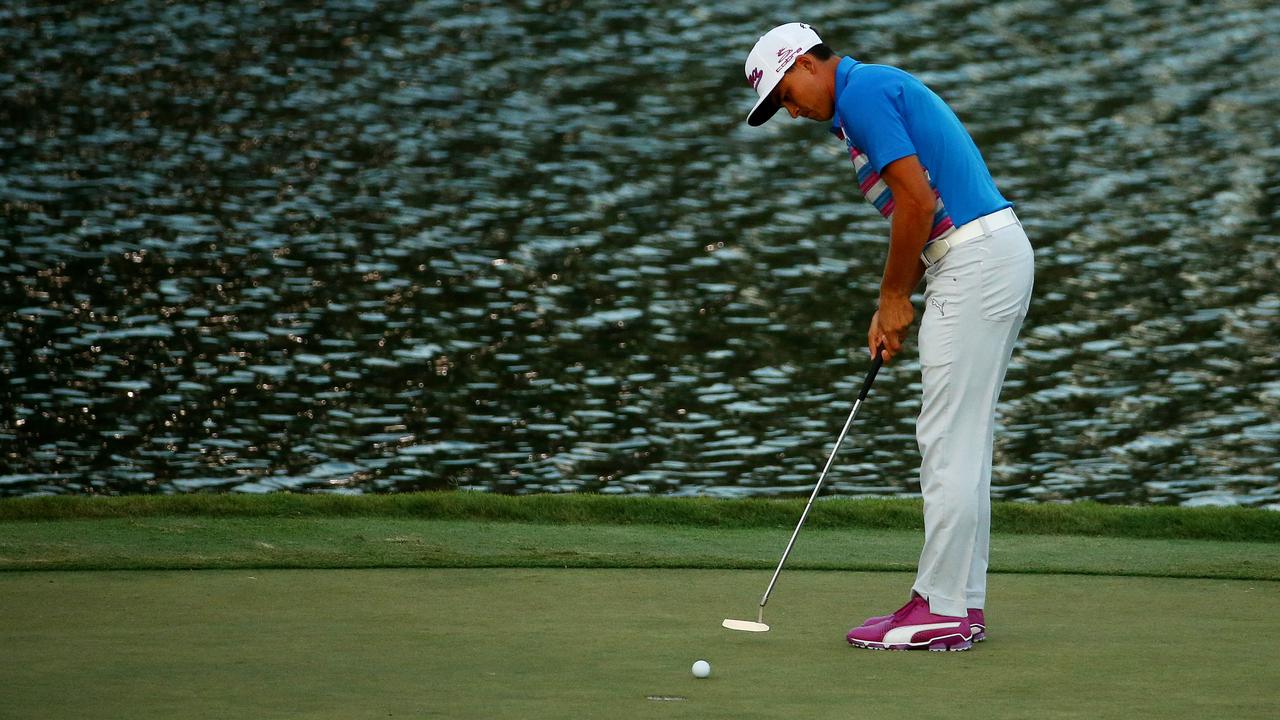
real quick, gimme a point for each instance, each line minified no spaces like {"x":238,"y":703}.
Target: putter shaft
{"x":866,"y":388}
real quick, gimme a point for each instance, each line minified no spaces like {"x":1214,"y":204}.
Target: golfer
{"x":918,"y":166}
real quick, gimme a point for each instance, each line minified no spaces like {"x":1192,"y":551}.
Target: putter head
{"x":745,"y":625}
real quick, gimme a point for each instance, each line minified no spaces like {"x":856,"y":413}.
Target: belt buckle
{"x":924,"y":256}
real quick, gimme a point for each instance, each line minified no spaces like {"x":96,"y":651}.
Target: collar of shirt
{"x":846,"y":66}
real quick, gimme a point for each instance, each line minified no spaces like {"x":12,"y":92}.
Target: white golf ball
{"x":701,"y":669}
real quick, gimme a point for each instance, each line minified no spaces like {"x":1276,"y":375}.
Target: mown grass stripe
{"x":1084,"y":518}
{"x":172,"y":543}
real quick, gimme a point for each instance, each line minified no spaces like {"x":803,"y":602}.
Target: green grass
{"x":482,"y":530}
{"x":548,"y":644}
{"x":467,"y":605}
{"x":154,"y":543}
{"x":1091,"y":519}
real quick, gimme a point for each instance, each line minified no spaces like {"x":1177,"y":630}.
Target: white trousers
{"x":975,"y":301}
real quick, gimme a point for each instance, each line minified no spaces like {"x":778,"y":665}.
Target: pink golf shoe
{"x":913,"y":627}
{"x":977,"y":622}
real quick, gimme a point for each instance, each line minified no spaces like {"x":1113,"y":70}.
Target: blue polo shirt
{"x":886,"y":114}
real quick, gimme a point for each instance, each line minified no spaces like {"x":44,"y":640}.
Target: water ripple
{"x":356,"y":246}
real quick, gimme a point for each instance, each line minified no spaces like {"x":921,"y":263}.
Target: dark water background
{"x":378,"y":246}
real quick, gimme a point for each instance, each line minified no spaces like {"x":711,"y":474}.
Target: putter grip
{"x":871,"y":376}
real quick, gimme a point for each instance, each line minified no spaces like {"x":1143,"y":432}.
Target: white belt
{"x":985,"y":225}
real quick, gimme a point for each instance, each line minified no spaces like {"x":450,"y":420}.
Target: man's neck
{"x":828,"y":69}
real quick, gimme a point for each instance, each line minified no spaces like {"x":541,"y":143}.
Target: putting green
{"x":583,"y":643}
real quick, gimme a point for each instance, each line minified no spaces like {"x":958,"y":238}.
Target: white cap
{"x":773,"y":54}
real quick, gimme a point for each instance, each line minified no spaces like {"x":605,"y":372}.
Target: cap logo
{"x":753,"y":79}
{"x":786,"y":55}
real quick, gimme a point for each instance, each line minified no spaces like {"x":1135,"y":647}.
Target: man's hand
{"x":889,"y":325}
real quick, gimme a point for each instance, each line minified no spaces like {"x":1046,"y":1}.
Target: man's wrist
{"x":890,"y":295}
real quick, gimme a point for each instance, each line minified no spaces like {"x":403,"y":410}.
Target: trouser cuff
{"x":939,"y":605}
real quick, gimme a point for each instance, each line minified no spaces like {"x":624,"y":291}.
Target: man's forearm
{"x":907,"y":238}
{"x":914,"y":203}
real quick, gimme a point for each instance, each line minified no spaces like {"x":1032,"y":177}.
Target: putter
{"x":759,"y":625}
